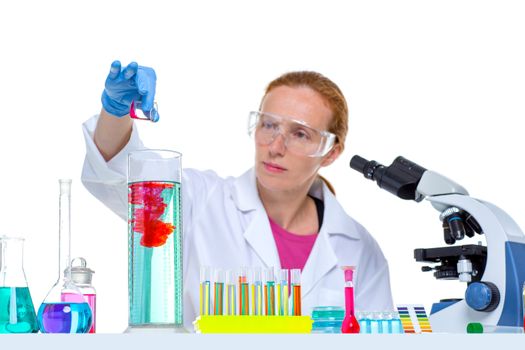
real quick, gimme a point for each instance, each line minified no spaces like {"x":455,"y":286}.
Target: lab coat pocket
{"x":331,"y":297}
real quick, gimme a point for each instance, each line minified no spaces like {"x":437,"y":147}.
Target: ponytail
{"x":328,"y":184}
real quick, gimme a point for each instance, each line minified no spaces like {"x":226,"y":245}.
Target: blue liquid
{"x":64,"y":317}
{"x":17,"y":313}
{"x":397,"y":326}
{"x":374,"y":326}
{"x":385,"y":326}
{"x":364,"y":324}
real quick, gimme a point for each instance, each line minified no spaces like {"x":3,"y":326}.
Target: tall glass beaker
{"x":17,"y":313}
{"x":155,"y":240}
{"x":64,"y":310}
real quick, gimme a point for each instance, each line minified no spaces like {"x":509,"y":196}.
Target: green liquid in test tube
{"x":218,"y":293}
{"x":282,"y":292}
{"x":244,"y":292}
{"x":204,"y":295}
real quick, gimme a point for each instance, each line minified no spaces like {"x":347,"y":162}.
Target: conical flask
{"x":64,"y":310}
{"x":17,"y":313}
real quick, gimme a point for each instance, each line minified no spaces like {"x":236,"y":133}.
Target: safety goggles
{"x":299,"y":137}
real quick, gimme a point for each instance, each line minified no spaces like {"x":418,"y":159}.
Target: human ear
{"x":334,"y":153}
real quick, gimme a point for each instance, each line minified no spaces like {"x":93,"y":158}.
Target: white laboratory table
{"x":437,"y":341}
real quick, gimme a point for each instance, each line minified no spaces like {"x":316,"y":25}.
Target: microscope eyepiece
{"x":400,"y":178}
{"x":365,"y":167}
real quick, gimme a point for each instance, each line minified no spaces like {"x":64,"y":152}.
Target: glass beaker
{"x":17,"y":313}
{"x":155,"y":240}
{"x":64,"y":310}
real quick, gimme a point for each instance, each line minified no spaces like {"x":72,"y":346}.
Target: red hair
{"x":328,"y":90}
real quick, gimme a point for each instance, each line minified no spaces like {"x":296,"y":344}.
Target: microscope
{"x":494,"y":273}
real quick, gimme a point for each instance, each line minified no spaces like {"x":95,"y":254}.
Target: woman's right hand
{"x":123,"y":86}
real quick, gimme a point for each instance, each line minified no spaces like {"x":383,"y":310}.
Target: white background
{"x":439,"y":82}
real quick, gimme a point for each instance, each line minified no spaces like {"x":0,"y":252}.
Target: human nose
{"x":278,"y":144}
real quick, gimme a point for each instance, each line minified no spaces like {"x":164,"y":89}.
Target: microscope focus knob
{"x":482,"y":296}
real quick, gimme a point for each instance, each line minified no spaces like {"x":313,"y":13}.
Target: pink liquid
{"x":350,"y":324}
{"x":91,"y":300}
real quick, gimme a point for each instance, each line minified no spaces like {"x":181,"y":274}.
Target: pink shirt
{"x":293,"y":249}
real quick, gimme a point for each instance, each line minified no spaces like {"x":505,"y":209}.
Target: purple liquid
{"x":64,"y":318}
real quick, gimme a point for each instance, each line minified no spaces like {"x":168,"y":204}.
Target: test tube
{"x":395,"y":324}
{"x":204,"y":295}
{"x":244,"y":292}
{"x":386,"y":322}
{"x":296,"y":291}
{"x":282,"y":292}
{"x":257,"y":292}
{"x":269,"y":292}
{"x":375,"y":323}
{"x":218,"y":292}
{"x":231,"y":302}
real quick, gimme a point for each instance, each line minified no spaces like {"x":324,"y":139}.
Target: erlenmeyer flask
{"x":64,"y":310}
{"x":17,"y":313}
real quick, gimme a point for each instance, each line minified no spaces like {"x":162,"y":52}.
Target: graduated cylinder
{"x":155,"y":239}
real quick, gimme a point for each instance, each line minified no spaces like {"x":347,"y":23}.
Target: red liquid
{"x":296,"y":300}
{"x":148,"y":207}
{"x":350,"y":324}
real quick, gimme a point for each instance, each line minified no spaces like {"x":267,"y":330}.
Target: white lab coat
{"x":226,"y":226}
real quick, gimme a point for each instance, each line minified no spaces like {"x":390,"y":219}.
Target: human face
{"x":276,"y":168}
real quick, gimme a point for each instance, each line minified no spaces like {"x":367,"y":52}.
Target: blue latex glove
{"x":133,"y":83}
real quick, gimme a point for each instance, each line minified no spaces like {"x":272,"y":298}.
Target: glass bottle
{"x":82,"y":276}
{"x":155,"y":241}
{"x":350,"y":324}
{"x":17,"y":313}
{"x":56,"y":315}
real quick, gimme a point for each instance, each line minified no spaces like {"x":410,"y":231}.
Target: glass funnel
{"x":155,"y":240}
{"x":17,"y":313}
{"x":64,"y":310}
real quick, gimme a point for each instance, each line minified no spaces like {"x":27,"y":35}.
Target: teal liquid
{"x":17,"y":312}
{"x":155,"y":273}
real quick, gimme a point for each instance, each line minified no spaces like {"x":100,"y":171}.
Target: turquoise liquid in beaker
{"x":155,"y":259}
{"x":17,"y":312}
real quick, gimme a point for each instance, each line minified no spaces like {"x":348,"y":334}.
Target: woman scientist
{"x":278,"y":213}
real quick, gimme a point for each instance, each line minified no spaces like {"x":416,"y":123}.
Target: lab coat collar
{"x":258,"y":233}
{"x":336,"y":221}
{"x":245,"y":194}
